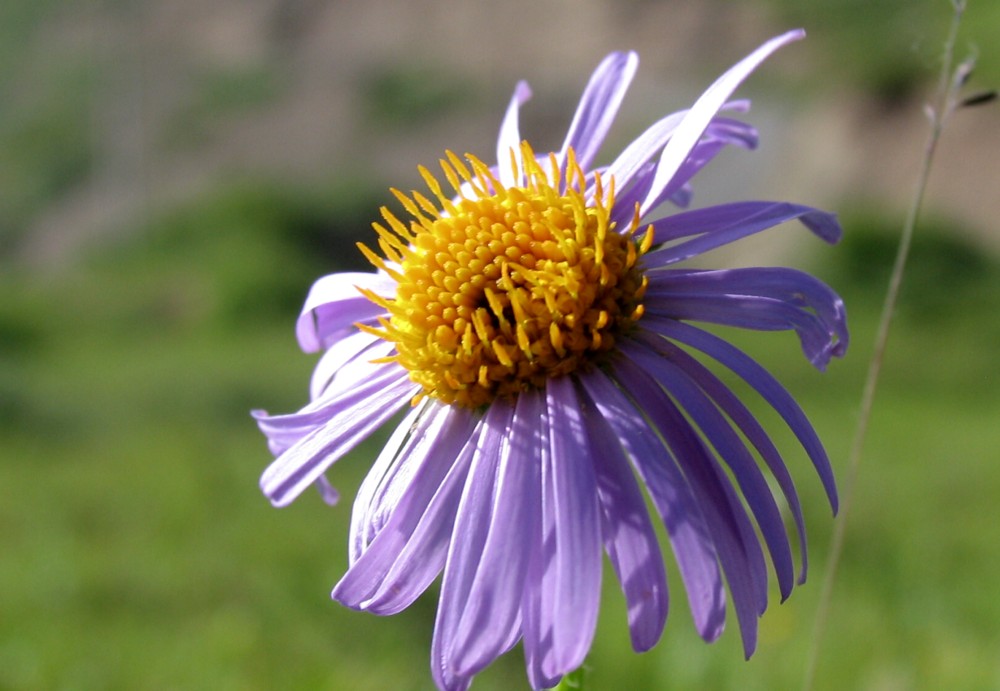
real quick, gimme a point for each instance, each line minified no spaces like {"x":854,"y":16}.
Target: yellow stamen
{"x":502,"y":288}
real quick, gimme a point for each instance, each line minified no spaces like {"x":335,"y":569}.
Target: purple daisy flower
{"x":533,"y":325}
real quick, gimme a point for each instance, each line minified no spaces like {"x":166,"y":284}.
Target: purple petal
{"x":679,"y":190}
{"x":762,"y":381}
{"x":536,"y":621}
{"x":334,"y":305}
{"x":718,"y":432}
{"x":576,"y":588}
{"x":754,"y":215}
{"x":628,"y":534}
{"x":399,"y":465}
{"x":748,"y":312}
{"x":634,"y":175}
{"x":509,"y":141}
{"x":681,"y":198}
{"x":747,"y":424}
{"x":354,"y":418}
{"x":636,"y":156}
{"x":282,"y":431}
{"x":726,"y":223}
{"x":491,"y":613}
{"x":757,"y":571}
{"x":737,"y":546}
{"x":731,"y":131}
{"x":701,"y":155}
{"x":327,"y":492}
{"x":345,"y":358}
{"x":409,"y":552}
{"x":472,"y":527}
{"x":757,"y":298}
{"x":598,"y":106}
{"x":686,"y":527}
{"x":697,"y":119}
{"x":721,"y":133}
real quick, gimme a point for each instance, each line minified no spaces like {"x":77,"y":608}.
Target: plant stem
{"x":947,"y":101}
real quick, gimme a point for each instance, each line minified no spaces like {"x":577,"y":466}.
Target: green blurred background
{"x":173,"y":176}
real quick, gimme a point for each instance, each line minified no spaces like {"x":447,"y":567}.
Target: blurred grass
{"x":139,"y":553}
{"x":888,"y":48}
{"x":45,"y":148}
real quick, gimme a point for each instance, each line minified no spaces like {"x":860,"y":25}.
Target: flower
{"x":533,"y":324}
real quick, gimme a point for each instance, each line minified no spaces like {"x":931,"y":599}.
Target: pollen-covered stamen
{"x":504,"y":287}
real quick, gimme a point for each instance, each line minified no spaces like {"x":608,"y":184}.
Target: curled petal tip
{"x":277,"y":502}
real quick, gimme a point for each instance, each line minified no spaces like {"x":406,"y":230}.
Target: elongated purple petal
{"x":718,"y":432}
{"x":762,"y":381}
{"x":472,"y":529}
{"x":757,"y":572}
{"x":282,"y":431}
{"x":749,"y":217}
{"x":721,"y":132}
{"x":747,"y":424}
{"x":492,"y":610}
{"x":633,"y":172}
{"x":357,"y":365}
{"x":340,"y":357}
{"x":749,"y":312}
{"x":756,"y":298}
{"x":678,"y":191}
{"x":700,"y":156}
{"x":536,"y":622}
{"x":721,"y":225}
{"x":409,"y":552}
{"x":334,"y":305}
{"x":598,"y":106}
{"x":737,"y":546}
{"x":635,"y":158}
{"x":686,"y":527}
{"x":732,"y":131}
{"x":356,"y":418}
{"x":577,"y":558}
{"x":704,"y":109}
{"x":369,"y":515}
{"x":509,"y":141}
{"x":628,"y":534}
{"x":327,"y":492}
{"x":427,"y":428}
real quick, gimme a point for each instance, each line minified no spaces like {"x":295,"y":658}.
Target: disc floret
{"x":502,"y":287}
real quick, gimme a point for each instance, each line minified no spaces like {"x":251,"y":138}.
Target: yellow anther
{"x":410,"y":207}
{"x":524,"y":343}
{"x":377,"y":299}
{"x":501,"y":353}
{"x":647,"y":238}
{"x":501,"y":288}
{"x":379,"y":263}
{"x":556,"y":337}
{"x":459,"y":167}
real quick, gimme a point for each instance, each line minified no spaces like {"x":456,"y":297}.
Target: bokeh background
{"x":173,"y":176}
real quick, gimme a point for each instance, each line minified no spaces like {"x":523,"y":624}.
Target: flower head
{"x":529,"y":318}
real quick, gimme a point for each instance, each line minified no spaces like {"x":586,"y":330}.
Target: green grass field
{"x":138,"y":552}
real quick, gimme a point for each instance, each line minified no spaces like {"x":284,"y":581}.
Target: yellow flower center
{"x":502,"y":287}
